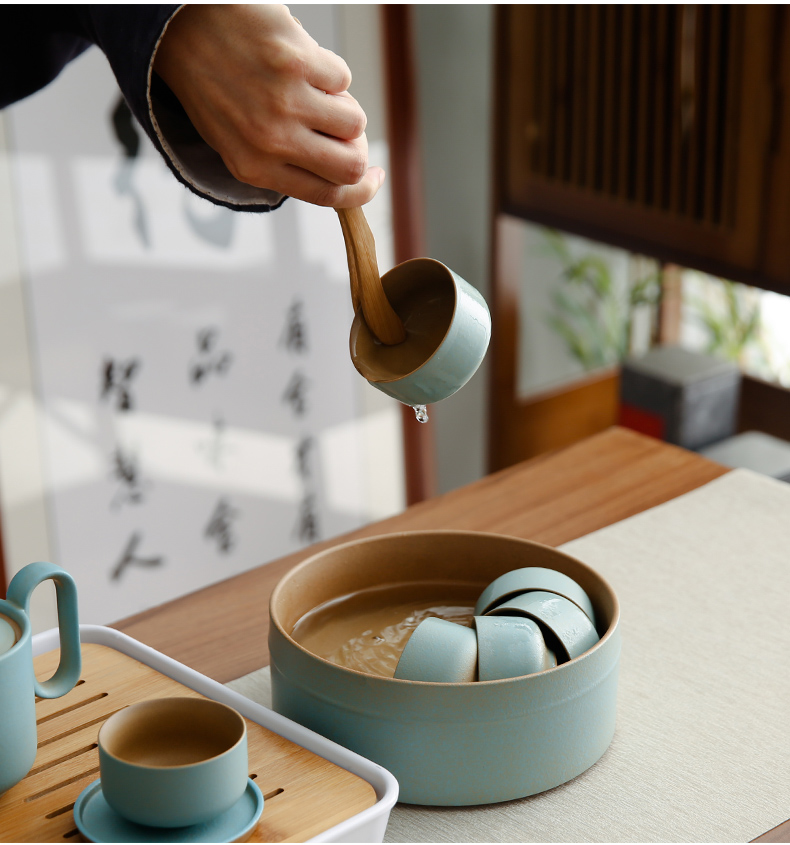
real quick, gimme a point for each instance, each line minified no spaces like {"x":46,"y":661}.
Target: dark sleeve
{"x":37,"y":41}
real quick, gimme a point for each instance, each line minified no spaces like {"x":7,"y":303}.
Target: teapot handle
{"x":19,"y":592}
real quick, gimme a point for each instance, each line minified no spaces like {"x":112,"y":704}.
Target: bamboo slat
{"x":579,"y":38}
{"x":644,"y":163}
{"x":661,"y":112}
{"x":594,"y":100}
{"x":626,"y":81}
{"x":561,"y":15}
{"x":676,"y":174}
{"x":714,"y":104}
{"x":611,"y":77}
{"x":544,"y":84}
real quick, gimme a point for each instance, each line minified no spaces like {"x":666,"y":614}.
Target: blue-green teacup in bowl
{"x":448,"y":328}
{"x":439,"y":650}
{"x":173,"y":762}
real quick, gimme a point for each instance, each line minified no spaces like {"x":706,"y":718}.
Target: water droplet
{"x":421,"y":412}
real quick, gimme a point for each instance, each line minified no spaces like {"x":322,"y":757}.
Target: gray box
{"x":753,"y":450}
{"x":683,"y":397}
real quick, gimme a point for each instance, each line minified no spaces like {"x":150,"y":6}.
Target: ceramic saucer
{"x":98,"y":822}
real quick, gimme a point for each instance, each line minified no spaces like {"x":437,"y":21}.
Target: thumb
{"x":353,"y":196}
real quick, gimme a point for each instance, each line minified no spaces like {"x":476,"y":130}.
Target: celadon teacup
{"x":18,"y":683}
{"x":509,"y":647}
{"x":559,"y":617}
{"x":529,"y":579}
{"x":439,"y":651}
{"x":448,"y":329}
{"x":173,"y":762}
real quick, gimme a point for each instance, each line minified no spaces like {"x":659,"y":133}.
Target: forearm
{"x":244,"y":106}
{"x":37,"y":42}
{"x":130,"y":36}
{"x":270,"y":100}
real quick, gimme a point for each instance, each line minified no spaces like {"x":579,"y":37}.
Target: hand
{"x":271,"y":101}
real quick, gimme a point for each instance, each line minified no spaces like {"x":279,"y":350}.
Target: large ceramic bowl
{"x":448,"y":743}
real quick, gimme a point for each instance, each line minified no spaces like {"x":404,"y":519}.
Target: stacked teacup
{"x":525,"y":621}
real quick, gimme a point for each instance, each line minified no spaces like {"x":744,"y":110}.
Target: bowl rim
{"x":280,"y":586}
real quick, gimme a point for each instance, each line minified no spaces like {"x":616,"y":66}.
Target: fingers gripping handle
{"x":19,"y":592}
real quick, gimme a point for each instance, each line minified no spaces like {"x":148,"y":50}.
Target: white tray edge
{"x":367,"y":826}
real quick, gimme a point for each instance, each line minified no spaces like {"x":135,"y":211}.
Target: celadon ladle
{"x":420,"y":331}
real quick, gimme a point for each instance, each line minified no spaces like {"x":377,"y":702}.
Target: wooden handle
{"x":352,"y":263}
{"x":363,"y":268}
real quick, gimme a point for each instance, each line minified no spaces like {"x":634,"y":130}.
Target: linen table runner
{"x":701,"y":751}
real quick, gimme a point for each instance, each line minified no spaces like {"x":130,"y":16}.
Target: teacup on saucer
{"x":98,"y":822}
{"x":173,"y":762}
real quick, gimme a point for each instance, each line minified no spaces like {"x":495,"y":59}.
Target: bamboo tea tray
{"x":314,"y":790}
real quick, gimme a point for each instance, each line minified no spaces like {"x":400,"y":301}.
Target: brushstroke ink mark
{"x":295,"y":394}
{"x":128,"y":137}
{"x":294,"y":336}
{"x":209,"y":360}
{"x":307,"y":520}
{"x":126,"y":471}
{"x":116,"y":377}
{"x":129,"y":558}
{"x":220,"y":526}
{"x":216,"y":228}
{"x":305,"y":450}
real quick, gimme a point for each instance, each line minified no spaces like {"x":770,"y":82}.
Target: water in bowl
{"x":368,"y":630}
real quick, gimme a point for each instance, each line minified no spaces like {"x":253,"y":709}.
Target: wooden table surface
{"x":222,"y":630}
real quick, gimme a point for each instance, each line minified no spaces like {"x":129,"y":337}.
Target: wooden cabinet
{"x":663,"y":129}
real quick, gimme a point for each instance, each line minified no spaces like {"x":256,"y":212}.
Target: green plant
{"x":592,"y":314}
{"x":730,"y":314}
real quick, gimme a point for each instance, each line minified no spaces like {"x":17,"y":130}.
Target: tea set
{"x":175,"y":769}
{"x":540,"y":660}
{"x":526,"y":621}
{"x":171,"y":769}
